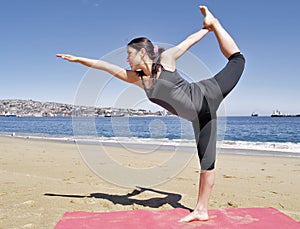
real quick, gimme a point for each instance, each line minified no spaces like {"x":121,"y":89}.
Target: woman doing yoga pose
{"x":154,"y":70}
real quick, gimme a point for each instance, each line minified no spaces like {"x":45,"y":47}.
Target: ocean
{"x":257,"y":135}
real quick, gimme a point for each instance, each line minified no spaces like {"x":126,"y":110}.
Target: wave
{"x":168,"y":144}
{"x":288,"y":147}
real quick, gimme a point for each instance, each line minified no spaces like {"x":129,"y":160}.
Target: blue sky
{"x":33,"y":31}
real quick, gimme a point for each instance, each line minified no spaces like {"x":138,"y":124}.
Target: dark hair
{"x":143,"y":42}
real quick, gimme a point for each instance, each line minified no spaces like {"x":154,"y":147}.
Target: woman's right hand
{"x":68,"y":57}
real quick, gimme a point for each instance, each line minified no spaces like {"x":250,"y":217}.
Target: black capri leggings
{"x":215,"y":90}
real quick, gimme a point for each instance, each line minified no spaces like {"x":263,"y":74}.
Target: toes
{"x":190,"y":217}
{"x":186,"y":219}
{"x":193,"y":217}
{"x":203,"y":10}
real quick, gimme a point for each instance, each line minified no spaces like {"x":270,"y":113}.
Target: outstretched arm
{"x":169,"y":57}
{"x":121,"y":73}
{"x":185,"y":45}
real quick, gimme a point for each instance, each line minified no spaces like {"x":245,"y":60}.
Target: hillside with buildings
{"x":23,"y":108}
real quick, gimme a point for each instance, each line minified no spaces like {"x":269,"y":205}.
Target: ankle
{"x":200,"y":209}
{"x":214,"y":24}
{"x":202,"y":214}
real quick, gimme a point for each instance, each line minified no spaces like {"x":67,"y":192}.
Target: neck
{"x":147,"y":68}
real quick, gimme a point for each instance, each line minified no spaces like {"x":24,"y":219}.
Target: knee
{"x":237,"y":56}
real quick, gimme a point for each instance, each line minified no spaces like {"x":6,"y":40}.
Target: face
{"x":134,"y":58}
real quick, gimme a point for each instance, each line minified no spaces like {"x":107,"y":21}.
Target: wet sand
{"x":41,"y":180}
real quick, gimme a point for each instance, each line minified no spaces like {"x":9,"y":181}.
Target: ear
{"x":143,"y":51}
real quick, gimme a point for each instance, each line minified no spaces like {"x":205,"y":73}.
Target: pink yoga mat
{"x":252,"y":218}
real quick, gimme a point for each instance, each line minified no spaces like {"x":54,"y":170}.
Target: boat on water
{"x":7,"y":114}
{"x":254,"y":114}
{"x":114,"y":114}
{"x":277,"y":113}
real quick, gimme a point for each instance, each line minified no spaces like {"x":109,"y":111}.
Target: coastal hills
{"x":18,"y":107}
{"x":27,"y":108}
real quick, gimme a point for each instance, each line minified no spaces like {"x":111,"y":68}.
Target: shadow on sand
{"x":169,"y":198}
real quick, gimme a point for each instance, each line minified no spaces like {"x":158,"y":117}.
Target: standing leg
{"x":207,"y":179}
{"x":205,"y":134}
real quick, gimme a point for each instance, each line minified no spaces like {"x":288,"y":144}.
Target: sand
{"x":41,"y":180}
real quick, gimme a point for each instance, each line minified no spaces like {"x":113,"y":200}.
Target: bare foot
{"x":209,"y":19}
{"x":195,"y":215}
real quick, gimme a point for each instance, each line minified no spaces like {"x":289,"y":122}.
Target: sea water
{"x":266,"y":135}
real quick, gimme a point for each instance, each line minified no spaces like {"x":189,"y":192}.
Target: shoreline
{"x":281,"y":149}
{"x":41,"y":180}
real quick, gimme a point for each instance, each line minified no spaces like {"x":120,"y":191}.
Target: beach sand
{"x":41,"y":180}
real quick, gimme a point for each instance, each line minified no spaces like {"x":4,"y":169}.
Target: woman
{"x":154,"y":70}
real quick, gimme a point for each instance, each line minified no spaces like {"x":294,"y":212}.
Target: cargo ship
{"x":277,"y":113}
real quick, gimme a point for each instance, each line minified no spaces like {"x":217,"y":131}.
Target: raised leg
{"x":226,"y":43}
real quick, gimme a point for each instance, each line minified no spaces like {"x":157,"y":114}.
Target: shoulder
{"x":132,"y":76}
{"x":167,"y":60}
{"x":135,"y":77}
